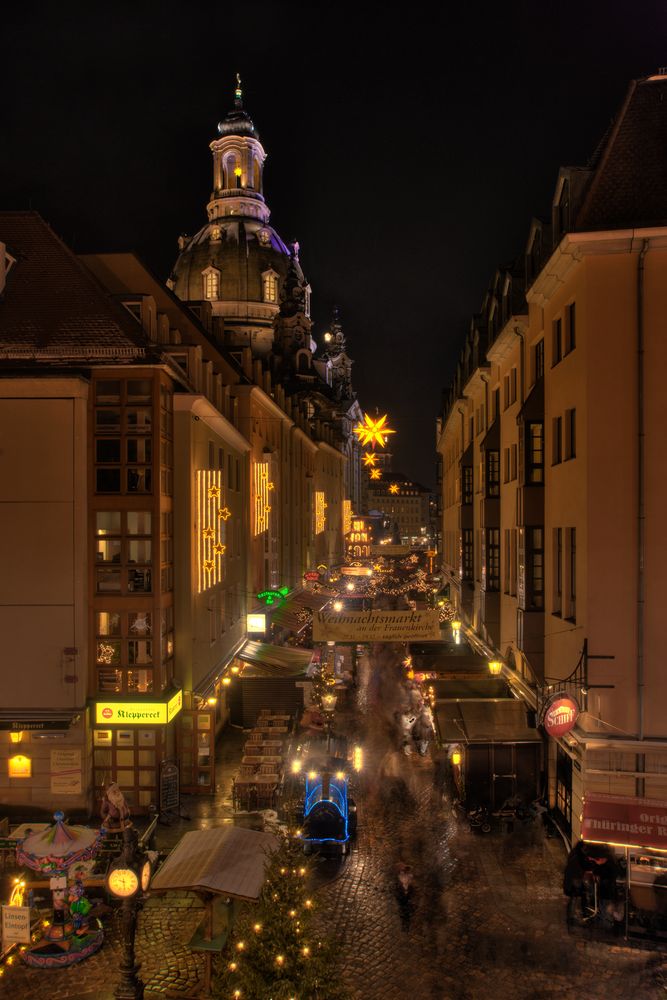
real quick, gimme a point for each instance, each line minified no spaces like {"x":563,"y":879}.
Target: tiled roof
{"x":629,"y":188}
{"x":52,"y":307}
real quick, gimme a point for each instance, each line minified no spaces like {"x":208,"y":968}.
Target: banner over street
{"x":376,"y":626}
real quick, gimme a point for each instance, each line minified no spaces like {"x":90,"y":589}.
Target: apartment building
{"x":552,"y":459}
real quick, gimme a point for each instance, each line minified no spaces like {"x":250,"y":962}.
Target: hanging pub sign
{"x":273,"y":597}
{"x":311,"y":574}
{"x":560,"y":714}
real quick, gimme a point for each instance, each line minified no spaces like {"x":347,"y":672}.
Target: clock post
{"x":128,"y":875}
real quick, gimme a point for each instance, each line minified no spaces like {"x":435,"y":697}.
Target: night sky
{"x":406,"y":153}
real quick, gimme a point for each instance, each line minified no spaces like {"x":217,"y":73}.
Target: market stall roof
{"x":287,"y":616}
{"x":265,"y":660}
{"x":226,"y":861}
{"x":502,"y":721}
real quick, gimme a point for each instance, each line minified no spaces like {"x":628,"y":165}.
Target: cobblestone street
{"x":489,"y":917}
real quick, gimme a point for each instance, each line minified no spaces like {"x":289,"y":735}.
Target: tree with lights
{"x":274,"y":951}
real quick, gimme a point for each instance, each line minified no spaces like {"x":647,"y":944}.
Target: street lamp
{"x":129,"y":875}
{"x":338,"y":605}
{"x":456,"y":631}
{"x":495,"y":667}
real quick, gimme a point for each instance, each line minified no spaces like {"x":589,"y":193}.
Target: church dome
{"x":242,"y":251}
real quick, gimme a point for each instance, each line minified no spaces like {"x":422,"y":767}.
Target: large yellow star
{"x":370,"y":458}
{"x":209,"y":565}
{"x":376,"y":474}
{"x":208,"y":533}
{"x":214,"y":491}
{"x":219,"y":549}
{"x":373,"y":432}
{"x":225,"y":513}
{"x":393,"y":488}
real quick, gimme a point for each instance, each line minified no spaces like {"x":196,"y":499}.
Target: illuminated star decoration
{"x":393,"y":488}
{"x":373,"y":432}
{"x":225,"y":513}
{"x":214,"y":491}
{"x":370,"y":458}
{"x":376,"y":474}
{"x":208,"y":533}
{"x":209,"y":565}
{"x":219,"y":549}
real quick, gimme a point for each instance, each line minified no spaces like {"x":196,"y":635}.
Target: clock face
{"x":123,"y":882}
{"x":145,"y":876}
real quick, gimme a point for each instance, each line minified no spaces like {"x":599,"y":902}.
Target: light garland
{"x":210,"y":529}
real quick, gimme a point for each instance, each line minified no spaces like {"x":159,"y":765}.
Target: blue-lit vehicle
{"x":327,"y":815}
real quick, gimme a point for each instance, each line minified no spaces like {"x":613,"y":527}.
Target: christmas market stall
{"x":496,"y":756}
{"x":267,"y":675}
{"x":222,"y":866}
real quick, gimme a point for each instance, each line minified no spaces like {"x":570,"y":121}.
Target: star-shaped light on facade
{"x":225,"y":513}
{"x":208,"y":533}
{"x":370,"y":458}
{"x":209,"y":565}
{"x":219,"y":549}
{"x":214,"y":491}
{"x":393,"y":488}
{"x":373,"y":432}
{"x":376,"y":474}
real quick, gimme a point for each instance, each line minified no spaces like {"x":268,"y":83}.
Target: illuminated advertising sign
{"x":138,"y":713}
{"x":255,"y":624}
{"x":560,"y":715}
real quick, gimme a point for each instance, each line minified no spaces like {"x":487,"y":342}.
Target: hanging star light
{"x":376,"y":474}
{"x":208,"y":533}
{"x":373,"y":432}
{"x":214,"y":491}
{"x":370,"y":458}
{"x":393,"y":488}
{"x":225,"y":513}
{"x":219,"y":549}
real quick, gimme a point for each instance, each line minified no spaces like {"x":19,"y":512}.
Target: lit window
{"x":211,"y":283}
{"x":270,"y":279}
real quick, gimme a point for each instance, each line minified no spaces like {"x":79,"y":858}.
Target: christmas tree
{"x":274,"y":952}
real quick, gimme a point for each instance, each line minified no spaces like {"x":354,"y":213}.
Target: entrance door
{"x":503,"y":773}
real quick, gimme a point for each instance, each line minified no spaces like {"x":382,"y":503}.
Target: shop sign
{"x":32,"y":725}
{"x":170,"y":792}
{"x":255,"y":624}
{"x":356,"y":571}
{"x":560,"y":714}
{"x":376,"y":626}
{"x":311,"y":574}
{"x":19,"y":766}
{"x":271,"y":597}
{"x":66,"y":772}
{"x":138,"y":713}
{"x":617,"y":819}
{"x":16,"y":925}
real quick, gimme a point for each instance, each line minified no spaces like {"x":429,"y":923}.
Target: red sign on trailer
{"x":617,"y":819}
{"x":560,"y":715}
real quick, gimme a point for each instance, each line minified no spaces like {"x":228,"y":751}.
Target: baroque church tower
{"x":237,"y":262}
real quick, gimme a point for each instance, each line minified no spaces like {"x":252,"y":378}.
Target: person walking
{"x":405,"y":894}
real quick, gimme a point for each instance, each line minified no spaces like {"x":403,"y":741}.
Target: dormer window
{"x":215,"y":234}
{"x":264,"y":237}
{"x":211,"y":282}
{"x":270,"y":286}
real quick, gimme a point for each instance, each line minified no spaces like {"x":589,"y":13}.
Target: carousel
{"x":60,"y":853}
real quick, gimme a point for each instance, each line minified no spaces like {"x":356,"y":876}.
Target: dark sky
{"x":407,"y":151}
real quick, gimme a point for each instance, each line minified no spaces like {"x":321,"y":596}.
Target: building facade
{"x":552,"y":466}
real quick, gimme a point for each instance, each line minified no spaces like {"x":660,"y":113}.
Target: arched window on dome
{"x":211,"y":283}
{"x":270,"y":286}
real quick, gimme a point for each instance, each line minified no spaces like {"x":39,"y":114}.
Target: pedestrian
{"x":405,"y":894}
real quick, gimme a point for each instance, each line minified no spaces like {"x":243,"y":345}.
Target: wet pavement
{"x":489,"y":915}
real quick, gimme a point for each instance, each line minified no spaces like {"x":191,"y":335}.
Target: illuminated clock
{"x":123,"y":882}
{"x":145,"y":876}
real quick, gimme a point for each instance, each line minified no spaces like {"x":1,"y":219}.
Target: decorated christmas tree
{"x":275,"y":953}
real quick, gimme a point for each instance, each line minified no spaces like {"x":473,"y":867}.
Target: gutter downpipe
{"x":641,"y":512}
